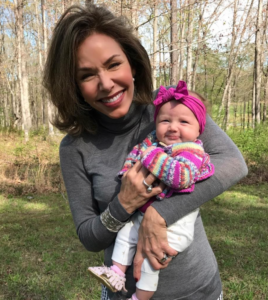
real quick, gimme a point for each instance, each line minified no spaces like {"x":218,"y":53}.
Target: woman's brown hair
{"x":73,"y":114}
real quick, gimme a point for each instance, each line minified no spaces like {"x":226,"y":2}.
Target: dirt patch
{"x":24,"y":179}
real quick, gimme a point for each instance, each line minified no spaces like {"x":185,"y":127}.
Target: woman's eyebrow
{"x":110,"y":59}
{"x":105,"y":63}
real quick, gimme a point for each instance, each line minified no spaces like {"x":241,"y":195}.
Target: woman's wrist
{"x":110,"y":222}
{"x":118,"y":211}
{"x":152,"y":216}
{"x":128,"y":206}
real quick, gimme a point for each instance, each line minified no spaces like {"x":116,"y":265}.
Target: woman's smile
{"x":113,"y":100}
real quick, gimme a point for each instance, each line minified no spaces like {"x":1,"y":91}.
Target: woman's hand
{"x":152,"y":243}
{"x":133,"y":193}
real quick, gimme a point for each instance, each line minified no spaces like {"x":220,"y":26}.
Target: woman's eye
{"x":86,"y":76}
{"x":114,"y":65}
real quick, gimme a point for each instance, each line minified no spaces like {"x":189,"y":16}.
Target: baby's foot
{"x":109,"y":278}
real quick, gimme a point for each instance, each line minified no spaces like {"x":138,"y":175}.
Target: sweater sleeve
{"x":229,"y":167}
{"x":177,"y":171}
{"x":131,"y":159}
{"x":86,"y":215}
{"x":135,"y":154}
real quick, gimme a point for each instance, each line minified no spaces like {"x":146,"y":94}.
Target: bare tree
{"x":22,"y":72}
{"x":134,"y":14}
{"x":45,"y":42}
{"x":257,"y":62}
{"x":234,"y":49}
{"x":189,"y":40}
{"x":200,"y":27}
{"x":154,"y":62}
{"x":173,"y":41}
{"x":265,"y":69}
{"x":181,"y":38}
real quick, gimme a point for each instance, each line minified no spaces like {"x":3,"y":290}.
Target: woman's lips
{"x":114,"y":100}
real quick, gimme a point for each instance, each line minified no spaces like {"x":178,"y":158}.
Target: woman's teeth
{"x":110,"y":100}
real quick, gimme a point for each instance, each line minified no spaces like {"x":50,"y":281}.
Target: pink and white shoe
{"x":109,"y":278}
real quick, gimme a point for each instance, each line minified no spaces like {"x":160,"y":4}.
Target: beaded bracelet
{"x":110,"y":222}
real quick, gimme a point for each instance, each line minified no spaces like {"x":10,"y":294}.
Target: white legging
{"x":179,"y":235}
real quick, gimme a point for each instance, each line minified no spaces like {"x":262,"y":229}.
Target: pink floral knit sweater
{"x":179,"y":165}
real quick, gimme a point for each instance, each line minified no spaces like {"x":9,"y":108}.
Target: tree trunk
{"x":205,"y":71}
{"x":182,"y":32}
{"x":134,"y":15}
{"x":154,"y":64}
{"x":39,"y":48}
{"x":160,"y":62}
{"x":227,"y":109}
{"x":253,"y":112}
{"x":197,"y":52}
{"x":244,"y":114}
{"x":173,"y":42}
{"x":189,"y":41}
{"x":257,"y":67}
{"x":22,"y":73}
{"x":265,"y":105}
{"x":164,"y":68}
{"x":248,"y":113}
{"x":235,"y":104}
{"x":45,"y":99}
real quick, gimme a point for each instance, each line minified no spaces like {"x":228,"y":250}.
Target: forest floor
{"x":42,"y":258}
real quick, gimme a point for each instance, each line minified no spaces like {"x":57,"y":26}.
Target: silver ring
{"x":149,"y":186}
{"x":163,"y":259}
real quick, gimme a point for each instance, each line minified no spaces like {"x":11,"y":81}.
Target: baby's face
{"x":176,"y":123}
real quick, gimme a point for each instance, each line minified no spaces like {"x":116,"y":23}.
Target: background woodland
{"x":219,"y":47}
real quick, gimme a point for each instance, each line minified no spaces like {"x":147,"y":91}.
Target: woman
{"x":99,"y":78}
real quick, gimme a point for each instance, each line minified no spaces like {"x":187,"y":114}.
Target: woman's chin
{"x":118,"y":113}
{"x":117,"y":116}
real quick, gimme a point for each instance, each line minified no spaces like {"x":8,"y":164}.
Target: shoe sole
{"x":104,"y":280}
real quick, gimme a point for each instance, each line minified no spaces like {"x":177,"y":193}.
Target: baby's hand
{"x":147,"y":150}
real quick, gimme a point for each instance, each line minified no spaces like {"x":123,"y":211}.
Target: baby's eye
{"x":184,"y":122}
{"x":164,"y":121}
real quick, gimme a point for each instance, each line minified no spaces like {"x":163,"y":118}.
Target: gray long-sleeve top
{"x":89,"y":166}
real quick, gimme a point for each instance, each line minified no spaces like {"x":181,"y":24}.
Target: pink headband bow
{"x":181,"y":94}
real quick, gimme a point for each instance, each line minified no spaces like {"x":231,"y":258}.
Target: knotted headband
{"x":181,"y":94}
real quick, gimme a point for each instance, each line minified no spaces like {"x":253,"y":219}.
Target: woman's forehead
{"x":98,"y":48}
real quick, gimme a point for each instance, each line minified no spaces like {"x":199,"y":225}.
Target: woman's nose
{"x":105,"y":82}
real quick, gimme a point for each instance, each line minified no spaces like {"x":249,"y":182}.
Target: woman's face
{"x":104,"y":75}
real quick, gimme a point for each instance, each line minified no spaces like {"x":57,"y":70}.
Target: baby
{"x":176,"y":157}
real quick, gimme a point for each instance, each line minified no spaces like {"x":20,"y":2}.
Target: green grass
{"x":237,"y":227}
{"x":42,"y":258}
